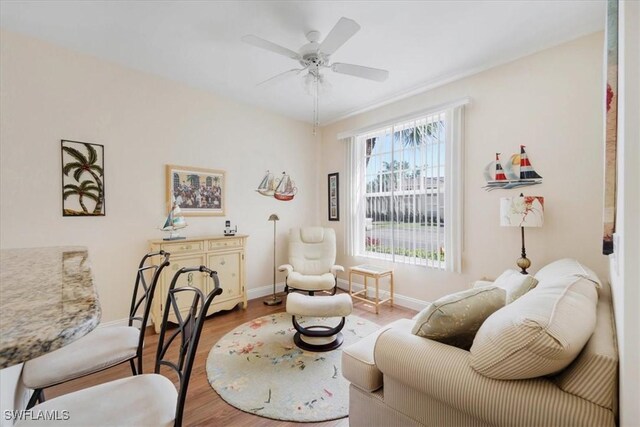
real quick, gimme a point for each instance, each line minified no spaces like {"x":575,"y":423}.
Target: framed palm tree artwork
{"x":82,"y":179}
{"x":196,"y":191}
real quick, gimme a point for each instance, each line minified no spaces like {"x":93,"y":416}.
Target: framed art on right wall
{"x":334,"y":197}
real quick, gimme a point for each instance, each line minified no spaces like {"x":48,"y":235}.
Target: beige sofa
{"x":400,"y":379}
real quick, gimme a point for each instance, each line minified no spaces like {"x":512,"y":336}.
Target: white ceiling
{"x":422,"y":44}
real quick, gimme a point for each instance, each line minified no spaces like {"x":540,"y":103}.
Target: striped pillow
{"x":540,"y":333}
{"x":454,"y":319}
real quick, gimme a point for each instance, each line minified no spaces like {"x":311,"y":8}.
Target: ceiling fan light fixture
{"x":315,"y":56}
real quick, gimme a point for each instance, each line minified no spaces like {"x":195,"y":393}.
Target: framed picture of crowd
{"x":196,"y":191}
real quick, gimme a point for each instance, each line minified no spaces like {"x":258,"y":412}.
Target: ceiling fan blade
{"x":359,"y":71}
{"x":339,"y":34}
{"x":266,"y":44}
{"x":281,"y":76}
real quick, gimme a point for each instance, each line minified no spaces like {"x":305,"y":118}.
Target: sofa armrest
{"x":336,"y":268}
{"x":443,"y":373}
{"x":286,"y":267}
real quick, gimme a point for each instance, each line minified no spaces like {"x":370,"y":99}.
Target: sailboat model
{"x":267,"y":186}
{"x":505,"y":177}
{"x":174,"y":222}
{"x":286,"y":188}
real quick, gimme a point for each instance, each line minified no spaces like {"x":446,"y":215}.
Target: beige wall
{"x":552,"y":103}
{"x":144,"y":122}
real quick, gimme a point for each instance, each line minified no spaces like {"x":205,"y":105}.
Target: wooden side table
{"x":374,"y":272}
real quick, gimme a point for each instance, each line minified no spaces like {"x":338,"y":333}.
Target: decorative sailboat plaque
{"x":282,"y":189}
{"x":174,"y":222}
{"x":286,"y":189}
{"x":500,"y":174}
{"x":267,"y":186}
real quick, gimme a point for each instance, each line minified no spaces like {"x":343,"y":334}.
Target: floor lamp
{"x":523,"y":211}
{"x":274,"y":300}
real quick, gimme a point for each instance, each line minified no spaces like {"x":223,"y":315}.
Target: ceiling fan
{"x":315,"y":56}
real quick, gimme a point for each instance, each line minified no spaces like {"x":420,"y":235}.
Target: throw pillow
{"x":454,"y":319}
{"x":566,"y":267}
{"x":540,"y":333}
{"x":481,"y":283}
{"x":515,"y":284}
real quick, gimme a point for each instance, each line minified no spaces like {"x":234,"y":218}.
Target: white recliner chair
{"x":312,"y":257}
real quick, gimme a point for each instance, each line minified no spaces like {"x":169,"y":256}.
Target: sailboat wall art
{"x":283,"y":188}
{"x":514,"y":172}
{"x":174,"y":222}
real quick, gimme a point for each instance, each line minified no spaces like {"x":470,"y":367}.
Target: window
{"x":405,"y":182}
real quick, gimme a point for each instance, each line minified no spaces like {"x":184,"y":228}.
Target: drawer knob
{"x":187,"y":247}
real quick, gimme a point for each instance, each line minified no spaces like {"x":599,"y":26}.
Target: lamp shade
{"x":273,"y":217}
{"x":523,"y":211}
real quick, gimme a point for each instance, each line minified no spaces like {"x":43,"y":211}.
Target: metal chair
{"x":146,"y":399}
{"x":102,"y":348}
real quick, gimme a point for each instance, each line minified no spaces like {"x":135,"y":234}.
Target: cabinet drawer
{"x":225,"y":243}
{"x":183,"y":247}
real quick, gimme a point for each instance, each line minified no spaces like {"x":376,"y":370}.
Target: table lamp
{"x":523,"y":211}
{"x":274,"y":300}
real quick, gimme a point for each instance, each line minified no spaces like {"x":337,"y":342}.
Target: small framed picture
{"x":197,"y":191}
{"x":82,"y":179}
{"x":334,"y":197}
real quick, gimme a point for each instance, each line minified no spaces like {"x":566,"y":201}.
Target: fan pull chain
{"x":315,"y":105}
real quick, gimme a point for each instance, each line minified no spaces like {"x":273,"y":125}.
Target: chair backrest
{"x":312,"y":250}
{"x":143,"y":292}
{"x":188,"y":330}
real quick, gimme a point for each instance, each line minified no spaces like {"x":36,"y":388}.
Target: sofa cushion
{"x":454,"y":319}
{"x":566,"y":267}
{"x":593,"y":375}
{"x":513,"y":282}
{"x":358,"y":365}
{"x":540,"y":333}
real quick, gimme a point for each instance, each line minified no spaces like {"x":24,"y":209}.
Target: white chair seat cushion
{"x":100,"y":349}
{"x":142,"y":400}
{"x":311,"y":282}
{"x":319,"y":306}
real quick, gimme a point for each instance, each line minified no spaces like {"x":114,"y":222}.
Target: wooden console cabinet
{"x":224,"y":254}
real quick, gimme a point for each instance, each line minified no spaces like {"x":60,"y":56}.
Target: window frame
{"x":453,"y":187}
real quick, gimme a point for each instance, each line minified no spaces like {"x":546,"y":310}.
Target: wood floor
{"x":203,"y":406}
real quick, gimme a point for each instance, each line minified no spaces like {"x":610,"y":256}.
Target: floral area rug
{"x":258,"y":369}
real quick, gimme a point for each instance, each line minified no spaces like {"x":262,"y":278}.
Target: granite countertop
{"x":47,"y":300}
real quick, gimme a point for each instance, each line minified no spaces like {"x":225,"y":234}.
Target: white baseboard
{"x":398,"y":299}
{"x":264,"y":291}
